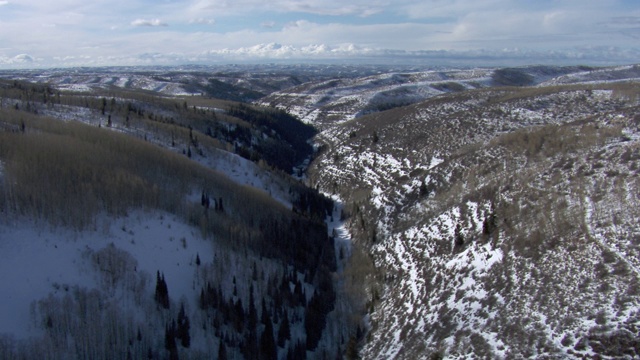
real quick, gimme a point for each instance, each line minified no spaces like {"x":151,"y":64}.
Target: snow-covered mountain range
{"x":473,"y":213}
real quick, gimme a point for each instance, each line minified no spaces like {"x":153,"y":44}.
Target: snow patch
{"x":37,"y":261}
{"x":479,"y":259}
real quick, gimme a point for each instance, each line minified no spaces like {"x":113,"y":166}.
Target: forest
{"x":138,"y":152}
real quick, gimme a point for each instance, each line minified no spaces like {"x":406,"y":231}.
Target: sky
{"x":45,"y":33}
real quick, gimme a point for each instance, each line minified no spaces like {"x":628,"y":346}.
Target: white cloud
{"x":145,"y":22}
{"x":202,"y":21}
{"x":4,"y":3}
{"x":268,"y":24}
{"x":318,"y":7}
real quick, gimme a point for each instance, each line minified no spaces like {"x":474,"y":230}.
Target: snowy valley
{"x":281,"y":211}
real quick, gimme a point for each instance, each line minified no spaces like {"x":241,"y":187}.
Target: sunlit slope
{"x":503,"y":222}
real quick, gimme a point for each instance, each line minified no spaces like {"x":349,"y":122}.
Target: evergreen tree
{"x":424,"y":190}
{"x":268,"y":349}
{"x":284,"y":333}
{"x":183,"y":328}
{"x":205,"y":201}
{"x":459,"y":238}
{"x":162,"y":292}
{"x":250,"y":349}
{"x":264,"y":319}
{"x":170,"y":341}
{"x":314,"y":321}
{"x":222,"y":351}
{"x":252,"y":320}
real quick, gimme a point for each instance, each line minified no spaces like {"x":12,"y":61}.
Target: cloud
{"x":626,"y":20}
{"x":268,"y":24}
{"x":316,"y":7}
{"x":145,"y":22}
{"x":202,"y":21}
{"x":4,"y":3}
{"x":18,"y":61}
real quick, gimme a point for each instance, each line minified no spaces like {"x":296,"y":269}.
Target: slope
{"x":328,"y":101}
{"x":105,"y":208}
{"x":502,"y":221}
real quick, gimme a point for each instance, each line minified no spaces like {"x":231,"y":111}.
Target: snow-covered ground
{"x":39,"y":260}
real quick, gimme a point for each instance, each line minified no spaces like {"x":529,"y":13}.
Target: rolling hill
{"x":502,"y":221}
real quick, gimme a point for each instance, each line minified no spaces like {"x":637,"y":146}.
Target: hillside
{"x":326,"y":102}
{"x":151,"y":227}
{"x":502,"y":221}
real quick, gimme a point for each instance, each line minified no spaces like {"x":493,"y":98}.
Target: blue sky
{"x":137,"y":32}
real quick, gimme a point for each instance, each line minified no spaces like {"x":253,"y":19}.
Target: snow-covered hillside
{"x":337,"y":100}
{"x":148,"y":227}
{"x":40,"y":260}
{"x":479,"y":211}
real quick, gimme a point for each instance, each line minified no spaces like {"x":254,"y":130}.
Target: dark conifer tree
{"x":250,"y":347}
{"x":284,"y":333}
{"x":459,"y":238}
{"x":265,"y":318}
{"x":252,"y":320}
{"x":268,"y":349}
{"x":170,"y":337}
{"x":162,"y":292}
{"x":222,"y":351}
{"x":314,"y":321}
{"x":182,"y":331}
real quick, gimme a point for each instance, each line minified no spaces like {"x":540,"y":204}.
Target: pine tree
{"x":104,"y":105}
{"x":314,"y":321}
{"x":264,"y":319}
{"x":162,"y":292}
{"x":252,"y":321}
{"x":459,"y":238}
{"x":222,"y":351}
{"x":170,"y":337}
{"x":284,"y":333}
{"x":268,"y":349}
{"x":424,"y":190}
{"x":205,"y":201}
{"x":182,"y":332}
